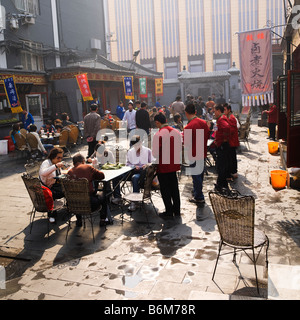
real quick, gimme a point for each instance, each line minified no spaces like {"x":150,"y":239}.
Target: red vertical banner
{"x":256,"y":67}
{"x":84,"y":87}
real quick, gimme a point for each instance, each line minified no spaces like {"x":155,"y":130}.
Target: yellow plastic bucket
{"x":279,"y":179}
{"x":273,"y":147}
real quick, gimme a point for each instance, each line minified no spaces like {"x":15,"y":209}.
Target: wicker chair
{"x":35,"y":191}
{"x":235,"y":218}
{"x":78,"y":200}
{"x":141,"y":198}
{"x":33,"y":169}
{"x":63,"y":142}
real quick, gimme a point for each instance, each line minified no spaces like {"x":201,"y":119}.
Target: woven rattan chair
{"x":35,"y":191}
{"x":78,"y":200}
{"x":64,"y":141}
{"x":33,"y":169}
{"x":141,"y":198}
{"x":235,"y":218}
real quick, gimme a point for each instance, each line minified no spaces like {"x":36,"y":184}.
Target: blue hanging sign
{"x":128,"y":87}
{"x":12,"y":95}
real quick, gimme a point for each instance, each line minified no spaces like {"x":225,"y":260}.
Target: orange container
{"x":279,"y":179}
{"x":273,"y":147}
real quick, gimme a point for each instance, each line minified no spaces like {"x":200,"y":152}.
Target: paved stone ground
{"x":171,"y":260}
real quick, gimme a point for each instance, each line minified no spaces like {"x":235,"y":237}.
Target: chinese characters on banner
{"x":256,"y":67}
{"x":12,"y":95}
{"x":159,"y":87}
{"x":84,"y":87}
{"x":128,"y":88}
{"x":143,"y":88}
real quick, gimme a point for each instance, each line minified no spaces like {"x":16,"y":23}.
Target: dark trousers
{"x":223,"y":165}
{"x":272,"y":128}
{"x":92,"y":146}
{"x":170,"y":192}
{"x":57,"y":191}
{"x":233,"y":161}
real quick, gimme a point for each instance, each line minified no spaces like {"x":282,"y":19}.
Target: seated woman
{"x":18,"y":138}
{"x":15,"y":129}
{"x":66,"y":120}
{"x":49,"y":172}
{"x":138,"y":157}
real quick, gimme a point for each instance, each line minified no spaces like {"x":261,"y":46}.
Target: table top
{"x":113,"y":174}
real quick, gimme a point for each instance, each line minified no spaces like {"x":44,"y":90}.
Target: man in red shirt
{"x":233,"y":140}
{"x":196,"y":150}
{"x":82,"y":170}
{"x":272,"y":120}
{"x":222,"y":146}
{"x":167,"y":149}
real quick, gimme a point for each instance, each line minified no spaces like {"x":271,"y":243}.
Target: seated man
{"x":43,"y":148}
{"x":138,"y":157}
{"x":48,"y":127}
{"x":82,"y":170}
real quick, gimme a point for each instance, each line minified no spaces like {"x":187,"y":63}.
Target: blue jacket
{"x":120,"y":112}
{"x":27,"y":120}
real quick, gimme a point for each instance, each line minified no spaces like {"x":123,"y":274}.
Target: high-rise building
{"x":200,"y":35}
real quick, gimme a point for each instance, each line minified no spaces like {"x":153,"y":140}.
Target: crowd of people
{"x":178,"y":128}
{"x":170,"y":124}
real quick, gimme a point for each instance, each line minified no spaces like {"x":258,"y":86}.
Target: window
{"x":171,"y":70}
{"x":31,"y":57}
{"x":196,"y":66}
{"x":28,"y":6}
{"x":222,"y":62}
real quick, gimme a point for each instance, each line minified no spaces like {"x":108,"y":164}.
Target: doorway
{"x":34,"y":106}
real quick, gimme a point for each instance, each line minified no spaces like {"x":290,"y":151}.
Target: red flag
{"x":83,"y":84}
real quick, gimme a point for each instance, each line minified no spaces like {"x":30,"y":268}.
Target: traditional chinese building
{"x":288,"y":93}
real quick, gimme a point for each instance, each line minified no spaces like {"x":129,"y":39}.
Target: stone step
{"x":283,"y":282}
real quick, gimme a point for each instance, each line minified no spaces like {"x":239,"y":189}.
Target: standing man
{"x":120,"y":110}
{"x":233,"y":140}
{"x":222,"y":146}
{"x":129,"y":116}
{"x":143,"y":118}
{"x":272,"y":120}
{"x":178,"y":107}
{"x":197,"y":150}
{"x":167,"y":147}
{"x":92,"y":124}
{"x":27,"y":119}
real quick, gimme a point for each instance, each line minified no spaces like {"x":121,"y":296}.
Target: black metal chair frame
{"x":143,"y":197}
{"x":230,"y":210}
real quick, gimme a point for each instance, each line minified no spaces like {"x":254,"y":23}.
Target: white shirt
{"x":130,"y":118}
{"x":140,"y":160}
{"x":40,"y":145}
{"x":48,"y":173}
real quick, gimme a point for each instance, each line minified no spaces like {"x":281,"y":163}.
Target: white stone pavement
{"x":174,"y":260}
